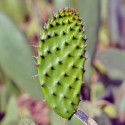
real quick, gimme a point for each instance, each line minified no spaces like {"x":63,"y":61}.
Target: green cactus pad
{"x":61,"y":58}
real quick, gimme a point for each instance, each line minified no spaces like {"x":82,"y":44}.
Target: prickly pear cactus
{"x":61,"y":58}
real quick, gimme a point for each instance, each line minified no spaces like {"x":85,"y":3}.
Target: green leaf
{"x":16,"y":58}
{"x":11,"y":116}
{"x":114,"y":62}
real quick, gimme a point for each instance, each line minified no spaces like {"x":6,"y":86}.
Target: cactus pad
{"x":60,"y":61}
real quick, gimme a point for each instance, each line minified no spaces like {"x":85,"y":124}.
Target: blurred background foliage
{"x":102,"y":94}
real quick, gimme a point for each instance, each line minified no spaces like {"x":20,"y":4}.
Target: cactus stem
{"x":61,"y":59}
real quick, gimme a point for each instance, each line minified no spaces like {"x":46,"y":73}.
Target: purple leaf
{"x":84,"y":118}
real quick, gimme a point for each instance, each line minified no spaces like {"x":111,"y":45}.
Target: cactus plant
{"x":18,"y":70}
{"x":60,"y":61}
{"x":110,"y":60}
